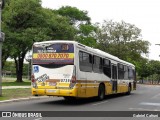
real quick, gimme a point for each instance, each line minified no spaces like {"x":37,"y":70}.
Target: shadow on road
{"x":63,"y":102}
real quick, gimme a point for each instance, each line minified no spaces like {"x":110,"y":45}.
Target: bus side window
{"x":126,"y":72}
{"x":85,"y":61}
{"x":134,"y":74}
{"x":90,"y":58}
{"x":97,"y":65}
{"x":121,"y":71}
{"x":130,"y":73}
{"x":101,"y":63}
{"x":107,"y":67}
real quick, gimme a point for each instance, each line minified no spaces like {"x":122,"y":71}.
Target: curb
{"x":24,"y":99}
{"x":149,"y":84}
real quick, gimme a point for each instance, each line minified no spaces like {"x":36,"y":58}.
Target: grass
{"x":15,"y":93}
{"x":2,"y":98}
{"x":12,"y":82}
{"x":16,"y":83}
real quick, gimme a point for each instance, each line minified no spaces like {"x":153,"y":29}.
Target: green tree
{"x":155,"y":69}
{"x":74,"y":15}
{"x":85,"y":31}
{"x":25,"y":22}
{"x":86,"y":35}
{"x":21,"y":17}
{"x":143,"y":68}
{"x":122,"y":39}
{"x":58,"y":25}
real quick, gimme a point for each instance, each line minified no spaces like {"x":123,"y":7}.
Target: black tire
{"x":101,"y":92}
{"x":129,"y":90}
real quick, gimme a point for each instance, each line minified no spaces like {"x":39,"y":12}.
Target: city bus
{"x":72,"y":70}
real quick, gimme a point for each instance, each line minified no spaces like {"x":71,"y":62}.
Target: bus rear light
{"x":33,"y":79}
{"x":73,"y":80}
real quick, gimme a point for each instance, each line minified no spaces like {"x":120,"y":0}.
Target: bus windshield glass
{"x":49,"y":54}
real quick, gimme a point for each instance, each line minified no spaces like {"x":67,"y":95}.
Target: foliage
{"x":74,"y":15}
{"x":86,"y":35}
{"x":10,"y":67}
{"x":20,"y":18}
{"x":149,"y":69}
{"x":122,"y":40}
{"x":81,"y":21}
{"x":25,"y":22}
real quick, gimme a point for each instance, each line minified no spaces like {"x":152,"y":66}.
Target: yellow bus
{"x":73,"y":70}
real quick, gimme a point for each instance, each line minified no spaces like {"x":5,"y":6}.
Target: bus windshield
{"x":47,"y":54}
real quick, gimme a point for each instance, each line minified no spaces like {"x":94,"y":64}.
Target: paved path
{"x":12,"y":87}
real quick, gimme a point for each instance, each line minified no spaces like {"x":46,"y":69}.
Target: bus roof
{"x":113,"y":57}
{"x":55,"y":41}
{"x":89,"y":48}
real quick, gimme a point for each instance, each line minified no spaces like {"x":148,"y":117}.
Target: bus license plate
{"x":51,"y":91}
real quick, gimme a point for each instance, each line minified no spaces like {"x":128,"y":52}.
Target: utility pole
{"x":158,"y":44}
{"x":1,"y":40}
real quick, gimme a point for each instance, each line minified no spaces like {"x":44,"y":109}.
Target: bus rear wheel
{"x":129,"y":90}
{"x":101,"y":92}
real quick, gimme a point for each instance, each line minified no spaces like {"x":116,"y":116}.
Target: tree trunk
{"x":142,"y":80}
{"x":152,"y":79}
{"x":4,"y":58}
{"x":19,"y":67}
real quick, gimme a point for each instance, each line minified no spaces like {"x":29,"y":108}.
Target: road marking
{"x":151,"y":104}
{"x":100,"y":103}
{"x":156,"y":96}
{"x":143,"y":109}
{"x":38,"y":119}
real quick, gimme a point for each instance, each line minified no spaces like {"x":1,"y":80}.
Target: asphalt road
{"x":145,"y":98}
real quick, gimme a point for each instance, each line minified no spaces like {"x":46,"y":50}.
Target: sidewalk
{"x":14,"y":87}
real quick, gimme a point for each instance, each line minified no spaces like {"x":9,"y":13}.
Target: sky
{"x":144,"y":14}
